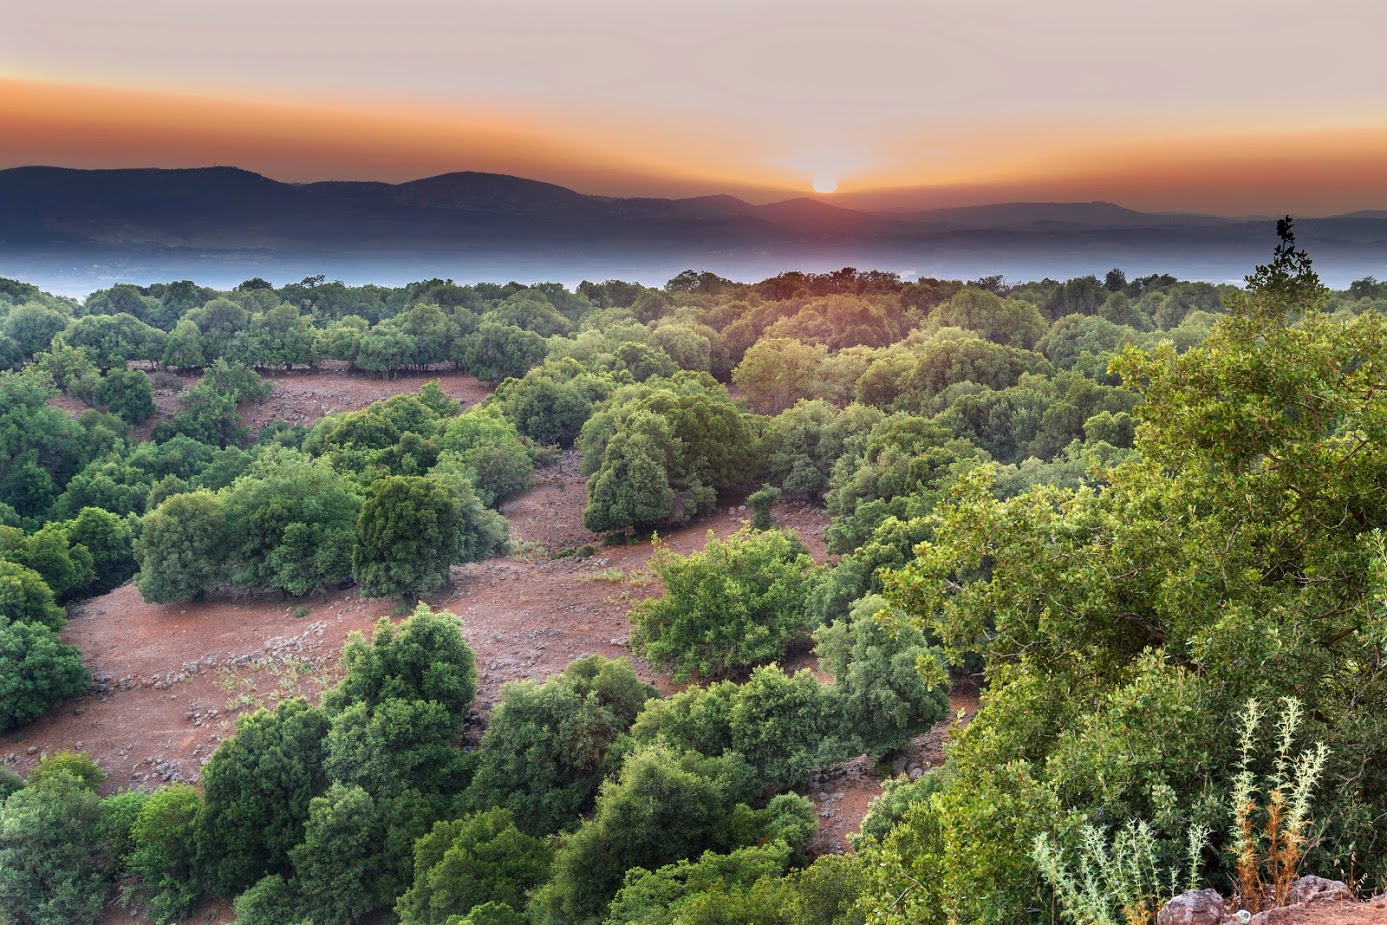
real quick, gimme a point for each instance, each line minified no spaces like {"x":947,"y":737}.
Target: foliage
{"x":334,"y":867}
{"x":53,"y":868}
{"x":110,"y":541}
{"x":126,"y":392}
{"x":664,"y":806}
{"x":412,"y":530}
{"x":26,"y":598}
{"x":549,"y":746}
{"x":890,"y":684}
{"x":662,"y":897}
{"x":464,"y":863}
{"x":37,"y":671}
{"x":1124,"y":881}
{"x":257,"y":789}
{"x":424,"y":658}
{"x":80,"y":767}
{"x":761,"y":502}
{"x":736,"y":604}
{"x":160,"y":839}
{"x":182,"y":547}
{"x":291,"y":524}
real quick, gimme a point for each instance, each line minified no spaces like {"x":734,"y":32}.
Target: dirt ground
{"x":302,"y":396}
{"x":170,"y":680}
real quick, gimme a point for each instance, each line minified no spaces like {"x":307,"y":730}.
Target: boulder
{"x":1201,"y":907}
{"x":1320,"y":890}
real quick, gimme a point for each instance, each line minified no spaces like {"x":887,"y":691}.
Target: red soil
{"x":171,"y":679}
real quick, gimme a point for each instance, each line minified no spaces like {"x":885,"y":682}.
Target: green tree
{"x":291,"y":524}
{"x":464,"y":863}
{"x":890,"y":684}
{"x":26,"y":598}
{"x":549,"y":746}
{"x":53,"y":869}
{"x":632,"y":489}
{"x":126,"y":393}
{"x":334,"y":866}
{"x":37,"y":671}
{"x":424,"y":658}
{"x":501,"y":351}
{"x":736,"y":604}
{"x":182,"y":547}
{"x":110,"y":540}
{"x":1123,"y":622}
{"x":663,"y":807}
{"x":257,"y":789}
{"x":72,"y":764}
{"x":183,"y":347}
{"x":160,"y":857}
{"x":412,"y":530}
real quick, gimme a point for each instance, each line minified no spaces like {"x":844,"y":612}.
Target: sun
{"x":823,"y":183}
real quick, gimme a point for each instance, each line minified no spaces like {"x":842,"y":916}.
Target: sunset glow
{"x":682,"y":99}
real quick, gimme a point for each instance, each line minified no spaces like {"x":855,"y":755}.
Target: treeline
{"x":589,"y":799}
{"x":1133,"y":505}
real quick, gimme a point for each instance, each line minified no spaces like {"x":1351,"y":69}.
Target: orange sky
{"x":1235,"y":107}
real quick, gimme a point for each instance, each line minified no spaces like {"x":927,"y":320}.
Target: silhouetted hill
{"x":125,"y":223}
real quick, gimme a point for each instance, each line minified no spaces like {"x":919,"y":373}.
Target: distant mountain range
{"x":224,"y":220}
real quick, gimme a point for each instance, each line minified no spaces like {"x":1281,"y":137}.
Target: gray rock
{"x":1319,"y":890}
{"x":1201,"y":907}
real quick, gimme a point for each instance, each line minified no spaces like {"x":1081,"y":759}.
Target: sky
{"x":1223,"y":106}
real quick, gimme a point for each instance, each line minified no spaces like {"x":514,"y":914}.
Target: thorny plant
{"x":1124,"y":882}
{"x":1270,"y":832}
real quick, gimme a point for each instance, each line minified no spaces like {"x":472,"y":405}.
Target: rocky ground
{"x":170,"y":680}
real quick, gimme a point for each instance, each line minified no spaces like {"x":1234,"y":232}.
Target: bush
{"x":271,"y":901}
{"x":471,"y":862}
{"x":412,"y":530}
{"x":424,"y":658}
{"x":110,"y":540}
{"x":126,"y":392}
{"x":549,"y":746}
{"x":663,"y":807}
{"x":26,"y":598}
{"x":890,"y":684}
{"x":79,"y":767}
{"x":182,"y":548}
{"x":37,"y":671}
{"x":737,"y":604}
{"x":334,"y":865}
{"x":160,"y":856}
{"x":257,"y":788}
{"x":291,"y":523}
{"x":53,"y":869}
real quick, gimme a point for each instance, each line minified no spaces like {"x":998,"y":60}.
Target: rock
{"x":32,"y":750}
{"x":1201,"y":907}
{"x":1320,"y":890}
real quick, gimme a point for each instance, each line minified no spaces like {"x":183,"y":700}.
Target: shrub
{"x":182,"y":548}
{"x":26,"y":598}
{"x":37,"y":671}
{"x":424,"y":658}
{"x":80,"y":767}
{"x":736,"y":604}
{"x":464,"y":863}
{"x":412,"y":530}
{"x":53,"y":868}
{"x":127,"y":393}
{"x":160,"y":856}
{"x":257,"y":789}
{"x":549,"y":746}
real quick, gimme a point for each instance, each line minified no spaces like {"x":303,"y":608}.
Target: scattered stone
{"x":1320,"y":890}
{"x":1201,"y":907}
